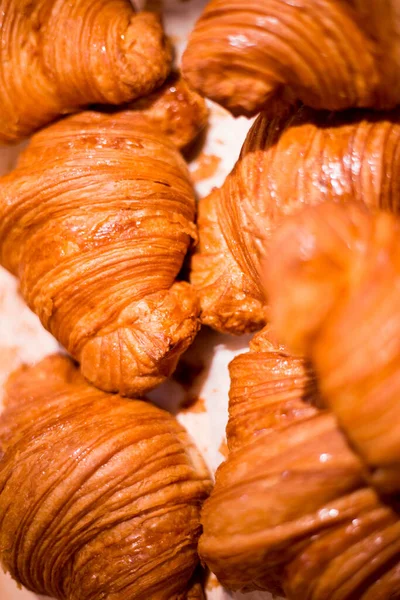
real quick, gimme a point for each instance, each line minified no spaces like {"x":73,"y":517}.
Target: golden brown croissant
{"x":57,"y":56}
{"x":292,"y":511}
{"x":299,"y":157}
{"x":250,"y":55}
{"x":99,"y":496}
{"x":95,"y":221}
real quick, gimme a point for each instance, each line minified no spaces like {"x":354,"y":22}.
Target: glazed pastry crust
{"x":175,"y":110}
{"x":58,"y":56}
{"x":301,"y":157}
{"x":96,"y":221}
{"x":292,"y":510}
{"x":329,"y":54}
{"x":109,"y":491}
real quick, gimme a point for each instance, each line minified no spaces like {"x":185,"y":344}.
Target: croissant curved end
{"x":140,"y":355}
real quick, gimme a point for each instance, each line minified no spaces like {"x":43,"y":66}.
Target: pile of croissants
{"x":104,"y":496}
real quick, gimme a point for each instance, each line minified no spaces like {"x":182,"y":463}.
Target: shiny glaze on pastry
{"x":99,"y":496}
{"x":96,"y":221}
{"x":252,"y":55}
{"x":301,"y":157}
{"x":57,"y":56}
{"x":293,"y":510}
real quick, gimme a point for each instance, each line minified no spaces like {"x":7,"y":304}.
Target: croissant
{"x":95,"y":221}
{"x":293,"y":510}
{"x":57,"y":56}
{"x":300,"y":157}
{"x":99,"y":496}
{"x":330,"y":54}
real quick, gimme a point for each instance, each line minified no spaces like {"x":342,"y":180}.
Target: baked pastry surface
{"x":306,"y":503}
{"x":99,"y":496}
{"x":57,"y":56}
{"x":253,"y":55}
{"x":95,"y":221}
{"x":300,"y":157}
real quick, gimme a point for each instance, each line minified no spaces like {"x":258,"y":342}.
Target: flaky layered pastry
{"x":300,"y":157}
{"x":95,"y":221}
{"x":306,"y":503}
{"x":99,"y":496}
{"x":251,"y":55}
{"x":57,"y":55}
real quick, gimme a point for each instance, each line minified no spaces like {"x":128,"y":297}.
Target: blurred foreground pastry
{"x":96,"y":221}
{"x":306,"y":503}
{"x":330,"y":54}
{"x":57,"y":56}
{"x":300,"y":157}
{"x":344,"y":266}
{"x":99,"y":496}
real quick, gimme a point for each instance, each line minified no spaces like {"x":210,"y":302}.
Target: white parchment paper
{"x":23,"y":340}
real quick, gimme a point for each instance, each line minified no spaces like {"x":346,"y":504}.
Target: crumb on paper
{"x":223,"y":448}
{"x":220,"y":111}
{"x":206,"y":167}
{"x":9,"y":360}
{"x":212,"y":582}
{"x":189,"y":376}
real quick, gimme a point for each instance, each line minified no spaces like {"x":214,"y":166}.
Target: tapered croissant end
{"x":229,"y":298}
{"x":176,"y":110}
{"x":142,"y":353}
{"x":109,"y":491}
{"x":220,"y":59}
{"x":269,"y":389}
